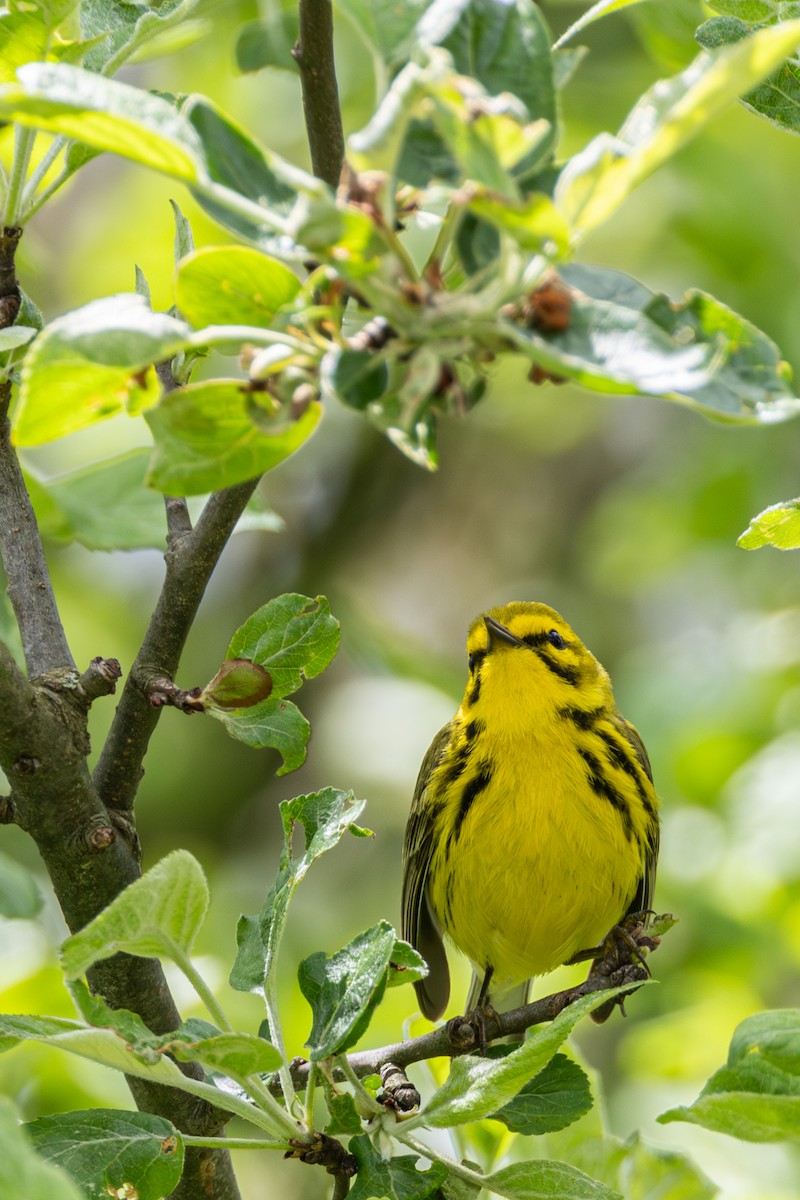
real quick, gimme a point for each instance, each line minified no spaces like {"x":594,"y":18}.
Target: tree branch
{"x":30,"y":591}
{"x":191,"y":558}
{"x":315,"y":60}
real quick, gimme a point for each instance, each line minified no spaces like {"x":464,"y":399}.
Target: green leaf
{"x":159,"y":914}
{"x":233,"y":285}
{"x":387,"y":26}
{"x":541,"y":1180}
{"x":268,"y":42}
{"x":344,"y":1116}
{"x":623,"y":338}
{"x":406,"y":966}
{"x":647,"y":1172}
{"x":22,"y":1171}
{"x":478,"y":1087}
{"x":597,"y":180}
{"x":777,"y":98}
{"x":778,"y":526}
{"x":19,"y":895}
{"x":235,"y":1054}
{"x":123,"y":28}
{"x":271,"y":724}
{"x":293,"y":637}
{"x":106,"y":115}
{"x":345,"y":989}
{"x":238,"y":683}
{"x":354,"y":377}
{"x":90,"y":364}
{"x":106,"y":1150}
{"x":325,"y":817}
{"x":553,"y":1099}
{"x":23,"y":39}
{"x":394,"y":1178}
{"x":206,"y":438}
{"x":756,"y":1096}
{"x":237,"y":162}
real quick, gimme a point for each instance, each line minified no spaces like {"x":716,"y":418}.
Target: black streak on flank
{"x":619,"y":758}
{"x":472,"y":788}
{"x":581,"y":717}
{"x":601,"y":787}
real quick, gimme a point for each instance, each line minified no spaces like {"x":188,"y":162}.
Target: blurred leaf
{"x":159,"y":914}
{"x":478,"y":1087}
{"x":597,"y":180}
{"x":126,"y":27}
{"x":106,"y":115}
{"x":238,"y":683}
{"x":623,"y":338}
{"x":778,"y":526}
{"x":22,"y":1171}
{"x":387,"y":26}
{"x":354,"y":377}
{"x":23,"y":38}
{"x":325,"y":817}
{"x":275,"y":724}
{"x":232,"y":285}
{"x":184,"y":241}
{"x":90,"y":364}
{"x":647,"y":1172}
{"x":237,"y":162}
{"x":268,"y":42}
{"x":345,"y":989}
{"x":130,"y":1027}
{"x":601,"y":9}
{"x":533,"y":222}
{"x":19,"y":894}
{"x":756,"y":1096}
{"x":540,"y":1179}
{"x":293,"y":637}
{"x":205,"y":438}
{"x":394,"y":1178}
{"x":553,"y":1099}
{"x":778,"y":96}
{"x":107,"y":1149}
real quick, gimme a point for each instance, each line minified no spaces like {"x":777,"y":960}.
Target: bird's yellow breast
{"x":536,"y":865}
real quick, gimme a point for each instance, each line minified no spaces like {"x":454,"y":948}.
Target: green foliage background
{"x":621,"y":512}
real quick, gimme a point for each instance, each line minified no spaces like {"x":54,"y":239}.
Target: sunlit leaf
{"x":233,"y":285}
{"x":778,"y":526}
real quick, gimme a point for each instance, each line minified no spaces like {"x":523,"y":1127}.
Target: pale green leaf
{"x":601,"y":9}
{"x":544,"y":1180}
{"x":22,"y":1172}
{"x":232,"y":285}
{"x":159,"y":914}
{"x":778,"y":526}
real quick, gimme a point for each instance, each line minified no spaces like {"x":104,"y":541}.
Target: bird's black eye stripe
{"x":475,"y":659}
{"x":555,"y":639}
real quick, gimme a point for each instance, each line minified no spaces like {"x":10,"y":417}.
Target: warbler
{"x":534,"y":826}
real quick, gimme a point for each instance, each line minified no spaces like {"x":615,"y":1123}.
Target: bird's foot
{"x":620,"y":960}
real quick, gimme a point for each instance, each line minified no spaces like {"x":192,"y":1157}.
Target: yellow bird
{"x":534,"y":825}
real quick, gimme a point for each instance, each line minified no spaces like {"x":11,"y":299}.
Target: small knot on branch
{"x":100,"y":678}
{"x":8,"y":811}
{"x":25,"y":765}
{"x":99,"y":835}
{"x":324,"y":1151}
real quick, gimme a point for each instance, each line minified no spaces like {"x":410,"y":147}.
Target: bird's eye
{"x":555,"y":639}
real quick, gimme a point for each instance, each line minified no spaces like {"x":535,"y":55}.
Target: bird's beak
{"x":496,"y":633}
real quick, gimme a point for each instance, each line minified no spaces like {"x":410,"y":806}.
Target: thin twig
{"x":190,"y":560}
{"x":315,"y":60}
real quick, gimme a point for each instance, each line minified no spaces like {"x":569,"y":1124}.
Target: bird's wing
{"x":644,"y":893}
{"x":420,"y":926}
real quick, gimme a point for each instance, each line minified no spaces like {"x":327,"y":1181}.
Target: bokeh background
{"x":623,"y":513}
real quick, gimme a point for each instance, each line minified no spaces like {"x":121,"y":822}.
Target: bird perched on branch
{"x":534,"y":826}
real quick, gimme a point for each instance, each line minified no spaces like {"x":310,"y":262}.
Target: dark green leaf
{"x":393,"y":1178}
{"x":553,"y":1099}
{"x":406,"y":965}
{"x":344,"y":1116}
{"x":206,"y":438}
{"x":345,"y":989}
{"x":325,"y":817}
{"x":293,"y":637}
{"x":107,"y":1149}
{"x":354,"y":377}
